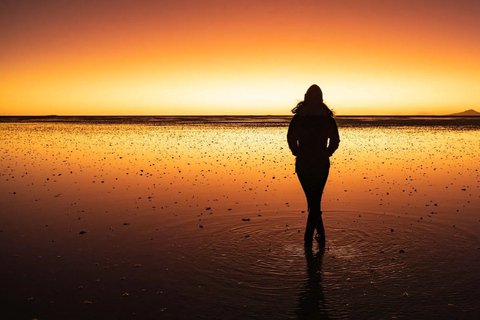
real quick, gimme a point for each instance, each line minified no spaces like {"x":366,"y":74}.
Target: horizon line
{"x":240,"y":115}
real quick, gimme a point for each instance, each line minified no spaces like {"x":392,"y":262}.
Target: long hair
{"x":313,"y":103}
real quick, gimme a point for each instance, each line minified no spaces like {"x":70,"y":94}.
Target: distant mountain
{"x":469,"y":112}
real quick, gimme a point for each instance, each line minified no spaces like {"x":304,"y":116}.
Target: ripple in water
{"x":374,"y":266}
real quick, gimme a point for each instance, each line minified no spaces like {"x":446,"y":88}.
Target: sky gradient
{"x":115,"y":57}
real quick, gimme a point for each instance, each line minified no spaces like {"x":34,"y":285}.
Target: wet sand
{"x":181,"y":220}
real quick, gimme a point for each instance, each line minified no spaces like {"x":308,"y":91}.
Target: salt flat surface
{"x":205,"y":220}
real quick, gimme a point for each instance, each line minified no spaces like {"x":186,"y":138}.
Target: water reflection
{"x":214,"y":215}
{"x":311,"y":304}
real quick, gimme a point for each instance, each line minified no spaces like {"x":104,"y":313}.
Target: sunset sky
{"x":124,"y":57}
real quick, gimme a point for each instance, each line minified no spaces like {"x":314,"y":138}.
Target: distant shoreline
{"x":235,"y":116}
{"x":255,"y":120}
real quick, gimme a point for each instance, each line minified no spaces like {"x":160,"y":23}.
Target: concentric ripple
{"x":259,"y":266}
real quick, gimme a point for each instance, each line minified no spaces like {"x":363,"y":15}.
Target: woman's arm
{"x":334,"y":139}
{"x":292,"y":135}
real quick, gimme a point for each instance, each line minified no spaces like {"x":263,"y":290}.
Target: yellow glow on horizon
{"x":140,"y":92}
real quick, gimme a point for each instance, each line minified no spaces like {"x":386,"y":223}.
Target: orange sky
{"x":237,"y":57}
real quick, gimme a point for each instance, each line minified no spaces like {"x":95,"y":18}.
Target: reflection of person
{"x":313,"y":138}
{"x":312,"y":301}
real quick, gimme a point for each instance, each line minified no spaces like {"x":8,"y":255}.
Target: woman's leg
{"x":308,"y":183}
{"x":313,"y":179}
{"x":320,"y":186}
{"x":313,"y":182}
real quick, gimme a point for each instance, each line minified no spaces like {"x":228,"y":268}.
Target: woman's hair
{"x":313,"y":103}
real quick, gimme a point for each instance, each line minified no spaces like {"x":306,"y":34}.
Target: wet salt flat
{"x":181,"y":220}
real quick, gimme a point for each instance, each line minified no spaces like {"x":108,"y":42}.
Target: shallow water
{"x":200,"y":220}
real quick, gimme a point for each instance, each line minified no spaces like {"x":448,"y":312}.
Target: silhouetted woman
{"x":313,"y":137}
